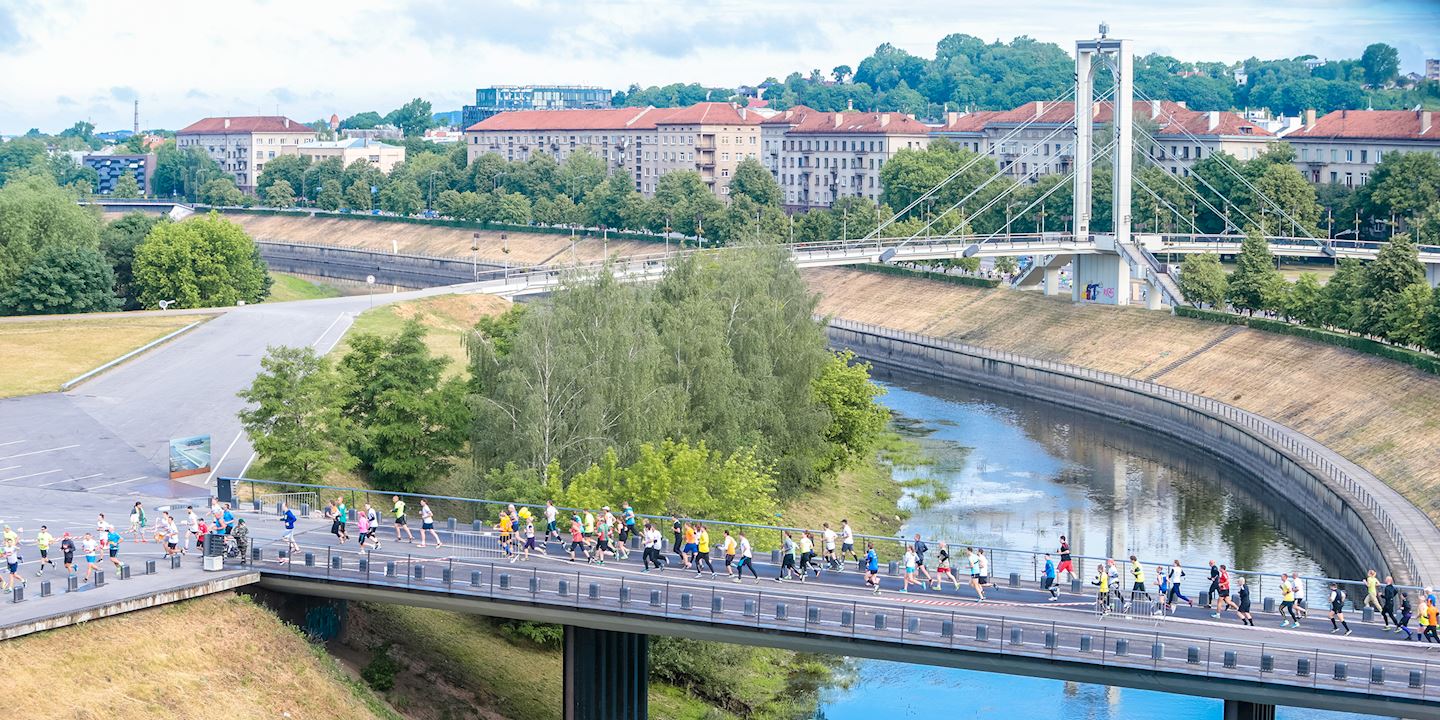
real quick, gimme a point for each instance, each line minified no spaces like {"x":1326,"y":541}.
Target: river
{"x":1020,"y":473}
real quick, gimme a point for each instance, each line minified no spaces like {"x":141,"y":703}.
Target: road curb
{"x":87,"y":375}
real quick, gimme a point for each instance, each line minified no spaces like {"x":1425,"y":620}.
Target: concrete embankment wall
{"x":409,"y":271}
{"x":1274,"y":462}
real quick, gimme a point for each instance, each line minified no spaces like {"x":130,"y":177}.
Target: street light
{"x":430,"y":203}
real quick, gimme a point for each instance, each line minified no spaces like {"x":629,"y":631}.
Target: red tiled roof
{"x":793,"y":116}
{"x":1171,"y":117}
{"x":606,"y":119}
{"x":886,"y":123}
{"x":247,"y":124}
{"x":1390,"y":124}
{"x":707,"y":113}
{"x":969,"y":122}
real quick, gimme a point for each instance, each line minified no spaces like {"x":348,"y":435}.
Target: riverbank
{"x":1379,"y":414}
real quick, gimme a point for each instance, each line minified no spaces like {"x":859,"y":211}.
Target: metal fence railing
{"x":985,"y":629}
{"x":1338,"y":470}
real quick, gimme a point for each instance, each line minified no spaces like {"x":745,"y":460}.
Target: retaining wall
{"x":410,"y":271}
{"x":1277,"y":459}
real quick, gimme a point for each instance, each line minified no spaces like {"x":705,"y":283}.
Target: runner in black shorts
{"x":67,"y":550}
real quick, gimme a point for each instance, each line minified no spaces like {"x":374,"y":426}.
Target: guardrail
{"x":967,"y":630}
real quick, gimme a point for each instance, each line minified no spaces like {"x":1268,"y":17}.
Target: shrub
{"x":927,"y":275}
{"x":1419,"y":360}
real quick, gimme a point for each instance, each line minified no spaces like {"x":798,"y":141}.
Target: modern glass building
{"x":504,"y":98}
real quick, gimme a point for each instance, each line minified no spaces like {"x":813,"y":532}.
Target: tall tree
{"x":1255,"y":276}
{"x":753,"y":180}
{"x":279,"y":194}
{"x":62,"y":279}
{"x":1404,"y":184}
{"x":413,"y":118}
{"x":203,"y":262}
{"x":126,"y":187}
{"x":402,"y":197}
{"x":34,"y":215}
{"x":118,"y":241}
{"x":293,"y":418}
{"x":856,"y":419}
{"x":1396,"y":267}
{"x":330,"y":197}
{"x":290,"y":168}
{"x":1381,"y":64}
{"x":1306,"y":302}
{"x":1405,"y":320}
{"x":358,"y":196}
{"x":1340,"y":300}
{"x":221,"y":192}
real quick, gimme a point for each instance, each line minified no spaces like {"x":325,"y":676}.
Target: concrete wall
{"x":1218,"y":429}
{"x":410,"y":271}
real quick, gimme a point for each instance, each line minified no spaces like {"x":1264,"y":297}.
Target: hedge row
{"x":928,"y":275}
{"x":1422,"y":361}
{"x":446,"y":222}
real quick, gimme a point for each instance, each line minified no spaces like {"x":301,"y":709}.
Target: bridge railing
{"x":789,"y":609}
{"x":1336,"y":468}
{"x":473,"y":521}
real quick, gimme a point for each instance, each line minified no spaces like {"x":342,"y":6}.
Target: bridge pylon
{"x":1103,"y":278}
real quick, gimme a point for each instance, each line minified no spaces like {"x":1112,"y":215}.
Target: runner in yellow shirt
{"x":42,"y":543}
{"x":505,"y":527}
{"x":702,"y":553}
{"x":729,"y":547}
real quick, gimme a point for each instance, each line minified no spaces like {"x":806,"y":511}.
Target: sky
{"x":68,"y":60}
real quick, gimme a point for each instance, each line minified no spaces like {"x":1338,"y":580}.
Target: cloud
{"x":12,"y":38}
{"x":284,"y":95}
{"x":124,"y":94}
{"x":65,"y":101}
{"x":197,"y":94}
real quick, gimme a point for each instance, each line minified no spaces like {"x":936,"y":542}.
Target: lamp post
{"x":474,"y":259}
{"x":430,"y":203}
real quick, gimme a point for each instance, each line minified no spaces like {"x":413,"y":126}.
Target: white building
{"x":1346,"y":145}
{"x":242,"y":145}
{"x":820,"y":157}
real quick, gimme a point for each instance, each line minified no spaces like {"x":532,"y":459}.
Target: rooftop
{"x":346,"y":144}
{"x":246,"y":124}
{"x":1368,"y":124}
{"x":885,"y":123}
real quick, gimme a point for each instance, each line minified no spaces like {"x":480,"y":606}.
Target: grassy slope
{"x":447,"y":318}
{"x":289,"y":287}
{"x":178,"y":661}
{"x":38,"y":356}
{"x":1379,"y":413}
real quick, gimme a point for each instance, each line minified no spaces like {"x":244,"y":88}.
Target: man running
{"x":1066,"y":565}
{"x":678,"y":547}
{"x":1299,"y":585}
{"x":920,"y":571}
{"x":288,"y":519}
{"x":827,"y":537}
{"x":1137,"y":580}
{"x":745,"y":559}
{"x":42,"y":543}
{"x":1287,"y":602}
{"x":67,"y":552}
{"x":91,"y":548}
{"x":1387,"y":603}
{"x":398,"y":510}
{"x":552,"y":529}
{"x":1405,"y":610}
{"x":692,"y":548}
{"x":1222,"y":583}
{"x":982,"y":567}
{"x":1177,"y":574}
{"x":171,"y":531}
{"x":12,"y":564}
{"x":872,"y":568}
{"x":427,"y":524}
{"x":1242,"y":608}
{"x":627,"y":516}
{"x":702,"y":539}
{"x":787,"y":559}
{"x":847,"y":545}
{"x":729,"y":549}
{"x":1214,"y":591}
{"x":1048,"y":577}
{"x":1337,"y":609}
{"x":1432,"y":613}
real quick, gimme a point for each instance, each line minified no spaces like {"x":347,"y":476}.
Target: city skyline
{"x":307,"y":61}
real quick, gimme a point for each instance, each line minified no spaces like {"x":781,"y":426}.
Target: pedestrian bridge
{"x":1016,"y":631}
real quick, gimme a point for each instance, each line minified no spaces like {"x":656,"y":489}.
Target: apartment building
{"x":820,"y":157}
{"x":241,"y":145}
{"x":509,"y":98}
{"x":1344,"y":146}
{"x":1046,"y":145}
{"x":1432,"y":69}
{"x":644,"y":143}
{"x":381,"y":155}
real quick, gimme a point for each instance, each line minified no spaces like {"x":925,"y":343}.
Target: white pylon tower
{"x":1114,"y":54}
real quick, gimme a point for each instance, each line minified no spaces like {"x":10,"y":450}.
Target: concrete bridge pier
{"x":1101,"y":279}
{"x":1242,"y":710}
{"x":607,"y":675}
{"x":1432,"y":273}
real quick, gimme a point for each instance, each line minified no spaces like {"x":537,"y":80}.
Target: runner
{"x":342,"y":516}
{"x":1405,"y":609}
{"x":1299,"y":585}
{"x":1337,"y":609}
{"x":973,"y":560}
{"x":1112,"y":571}
{"x":702,"y":540}
{"x":1177,"y":574}
{"x":807,"y":554}
{"x":1242,"y":608}
{"x":172,"y":534}
{"x":983,"y":568}
{"x":362,"y":523}
{"x":90,"y":547}
{"x":1287,"y":602}
{"x":398,"y":509}
{"x":1387,"y":602}
{"x":1222,"y":582}
{"x":620,"y":532}
{"x":551,"y":528}
{"x":692,"y":548}
{"x":847,"y":545}
{"x":1423,"y":619}
{"x":102,"y":530}
{"x":1102,"y":590}
{"x":506,"y":527}
{"x":920,"y":571}
{"x":678,"y":546}
{"x":602,"y":542}
{"x":627,"y":515}
{"x":9,"y":537}
{"x":138,"y":522}
{"x":872,"y":568}
{"x":745,"y":560}
{"x":1372,"y":592}
{"x":1162,"y":584}
{"x":1137,"y":577}
{"x":42,"y":543}
{"x":1050,"y":579}
{"x":1066,"y":566}
{"x":577,"y":537}
{"x":1432,"y":614}
{"x":192,"y":521}
{"x":67,"y":552}
{"x":427,"y":524}
{"x":529,"y":536}
{"x":827,"y":537}
{"x":1214,"y":591}
{"x":12,"y":564}
{"x":910,"y":561}
{"x":787,"y":558}
{"x":729,"y":548}
{"x":942,"y":568}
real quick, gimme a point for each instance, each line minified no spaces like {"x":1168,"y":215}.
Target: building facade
{"x":381,"y":155}
{"x":242,"y":145}
{"x":823,"y":156}
{"x":110,"y":168}
{"x":1344,"y":146}
{"x":1432,"y":69}
{"x":508,"y":98}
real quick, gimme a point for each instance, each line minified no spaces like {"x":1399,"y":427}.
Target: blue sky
{"x":64,"y":60}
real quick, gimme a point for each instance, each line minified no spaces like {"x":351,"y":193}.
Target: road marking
{"x":12,"y":442}
{"x":57,"y":482}
{"x":37,"y":452}
{"x":338,"y":338}
{"x":22,"y":477}
{"x":216,"y":467}
{"x":247,"y":464}
{"x":12,"y":467}
{"x":326,"y":331}
{"x":117,"y":482}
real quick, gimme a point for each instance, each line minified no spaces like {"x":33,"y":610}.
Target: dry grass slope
{"x":1381,"y":414}
{"x":219,"y":655}
{"x":38,"y":356}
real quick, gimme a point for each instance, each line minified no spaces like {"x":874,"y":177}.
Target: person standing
{"x":397,"y":509}
{"x":1388,"y":594}
{"x":745,"y":560}
{"x":1337,"y":609}
{"x":427,"y":524}
{"x":872,"y":568}
{"x":138,"y":521}
{"x":42,"y":543}
{"x":1287,"y":602}
{"x":1066,"y":566}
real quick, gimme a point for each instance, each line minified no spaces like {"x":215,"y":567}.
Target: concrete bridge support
{"x":1432,"y":273}
{"x":607,"y":675}
{"x":1100,"y":278}
{"x":1241,"y":710}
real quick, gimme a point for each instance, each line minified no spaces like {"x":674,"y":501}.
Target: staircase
{"x":1187,"y":357}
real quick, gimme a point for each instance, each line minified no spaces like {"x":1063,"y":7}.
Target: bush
{"x":927,"y":275}
{"x":380,"y":673}
{"x":544,"y":635}
{"x":1419,"y":360}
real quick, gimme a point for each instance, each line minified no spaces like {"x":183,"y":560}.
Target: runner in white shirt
{"x":847,"y":545}
{"x":829,"y":539}
{"x":551,"y":529}
{"x":744,"y":559}
{"x":427,"y":524}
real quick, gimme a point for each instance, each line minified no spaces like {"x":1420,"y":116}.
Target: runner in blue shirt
{"x":289,"y":519}
{"x":1047,"y":580}
{"x":872,"y":568}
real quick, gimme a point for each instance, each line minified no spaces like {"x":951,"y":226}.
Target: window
{"x":1364,"y":156}
{"x":1349,"y":181}
{"x":1349,"y":155}
{"x":1334,"y":156}
{"x":1332,"y":176}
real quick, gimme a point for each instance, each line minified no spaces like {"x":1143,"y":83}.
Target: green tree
{"x":357,"y":197}
{"x":293,"y":418}
{"x":34,"y":215}
{"x":1404,"y":184}
{"x":581,"y":172}
{"x":20,"y":155}
{"x":1306,"y":302}
{"x":183,"y":172}
{"x":856,"y":418}
{"x":686,"y":201}
{"x":126,"y":187}
{"x":753,"y":180}
{"x":1287,"y":191}
{"x":512,"y":208}
{"x":1432,"y":323}
{"x":1405,"y":320}
{"x":414,"y":117}
{"x":330,"y":196}
{"x":221,"y":192}
{"x":1254,"y":275}
{"x":1202,"y":280}
{"x":289,"y":168}
{"x":681,"y":478}
{"x":319,"y":173}
{"x":1006,"y":265}
{"x":1340,"y":300}
{"x":1396,"y":267}
{"x":614,"y":203}
{"x":62,"y":279}
{"x":118,"y":241}
{"x":1381,"y":64}
{"x":279,"y":194}
{"x":401,"y":197}
{"x":362,"y":121}
{"x":203,"y":262}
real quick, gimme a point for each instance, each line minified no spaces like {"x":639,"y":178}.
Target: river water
{"x":1021,"y":473}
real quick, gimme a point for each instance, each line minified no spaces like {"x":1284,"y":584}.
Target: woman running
{"x":787,"y":559}
{"x":1102,"y":590}
{"x":974,"y":562}
{"x":702,"y":542}
{"x":427,"y":524}
{"x":138,"y":522}
{"x":911,"y":563}
{"x":1242,"y":608}
{"x":1177,"y":574}
{"x":942,"y":568}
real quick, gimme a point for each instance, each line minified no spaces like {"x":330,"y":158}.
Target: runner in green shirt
{"x":400,"y":523}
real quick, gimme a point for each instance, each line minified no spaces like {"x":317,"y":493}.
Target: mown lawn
{"x":286,"y":287}
{"x":38,"y":356}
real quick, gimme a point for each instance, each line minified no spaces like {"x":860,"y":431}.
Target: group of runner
{"x":367,"y":523}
